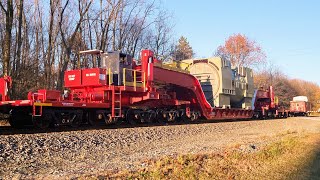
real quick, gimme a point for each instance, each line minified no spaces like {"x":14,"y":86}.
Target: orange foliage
{"x":309,"y":89}
{"x":241,"y":51}
{"x":286,"y":88}
{"x":280,"y":82}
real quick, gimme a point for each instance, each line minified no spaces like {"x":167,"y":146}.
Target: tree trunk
{"x":19,"y":38}
{"x":8,"y":36}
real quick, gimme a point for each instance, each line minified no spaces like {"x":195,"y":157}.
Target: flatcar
{"x":114,"y":89}
{"x":266,"y":105}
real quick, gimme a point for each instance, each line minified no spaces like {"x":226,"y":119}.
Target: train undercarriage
{"x":54,"y":117}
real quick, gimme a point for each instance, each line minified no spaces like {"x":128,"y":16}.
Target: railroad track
{"x":8,"y":130}
{"x":92,"y":151}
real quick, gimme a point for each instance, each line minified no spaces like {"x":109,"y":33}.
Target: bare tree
{"x":8,"y":35}
{"x":19,"y":37}
{"x":159,"y":38}
{"x":68,"y":41}
{"x":52,"y":35}
{"x":44,"y":37}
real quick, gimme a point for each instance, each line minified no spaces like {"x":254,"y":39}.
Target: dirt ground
{"x":73,"y":154}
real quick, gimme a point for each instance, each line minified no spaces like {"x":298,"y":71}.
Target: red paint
{"x":94,"y":77}
{"x":300,"y":106}
{"x":72,"y":78}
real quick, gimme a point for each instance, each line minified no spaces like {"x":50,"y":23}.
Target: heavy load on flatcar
{"x":223,"y":85}
{"x":114,"y":88}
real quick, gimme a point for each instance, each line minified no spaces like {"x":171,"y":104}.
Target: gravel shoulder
{"x":76,"y":153}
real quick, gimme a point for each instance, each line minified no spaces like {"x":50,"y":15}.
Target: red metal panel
{"x":3,"y":89}
{"x":147,"y":59}
{"x":84,"y":105}
{"x":188,"y":82}
{"x":271,"y":94}
{"x":20,"y":103}
{"x":262,"y":94}
{"x":49,"y":95}
{"x":5,"y":83}
{"x":299,"y":106}
{"x":72,"y":78}
{"x":94,"y":77}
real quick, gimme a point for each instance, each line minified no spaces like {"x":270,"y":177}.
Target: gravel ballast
{"x":76,"y":153}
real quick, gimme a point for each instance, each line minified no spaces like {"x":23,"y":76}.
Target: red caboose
{"x":300,"y":106}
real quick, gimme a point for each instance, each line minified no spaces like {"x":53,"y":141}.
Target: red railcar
{"x":115,"y":90}
{"x":299,"y":108}
{"x":266,"y":104}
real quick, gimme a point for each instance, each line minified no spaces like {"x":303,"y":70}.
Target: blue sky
{"x":288,"y":31}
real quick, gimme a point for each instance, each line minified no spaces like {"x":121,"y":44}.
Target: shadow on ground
{"x":311,"y":170}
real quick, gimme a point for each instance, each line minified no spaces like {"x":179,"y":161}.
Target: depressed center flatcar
{"x":119,"y":89}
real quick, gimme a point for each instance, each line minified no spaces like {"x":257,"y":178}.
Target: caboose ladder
{"x":116,"y":102}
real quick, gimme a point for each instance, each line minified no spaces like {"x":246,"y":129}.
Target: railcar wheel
{"x":107,"y":118}
{"x":42,"y":122}
{"x":150,"y":116}
{"x":17,"y":118}
{"x":255,"y":116}
{"x":153,"y":115}
{"x":160,"y":118}
{"x":185,"y":119}
{"x":118,"y":121}
{"x":194,"y":116}
{"x":130,"y":117}
{"x":93,"y":118}
{"x":76,"y":119}
{"x":112,"y":120}
{"x":171,"y":116}
{"x":16,"y":121}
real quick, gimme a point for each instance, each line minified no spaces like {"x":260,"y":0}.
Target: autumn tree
{"x":309,"y":89}
{"x":183,"y":50}
{"x":272,"y":76}
{"x":286,"y":88}
{"x":281,"y":83}
{"x":241,"y":51}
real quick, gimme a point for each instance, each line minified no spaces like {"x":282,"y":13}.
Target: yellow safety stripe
{"x":128,"y":83}
{"x":42,"y":104}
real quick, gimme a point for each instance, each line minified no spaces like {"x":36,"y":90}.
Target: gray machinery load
{"x":223,"y":85}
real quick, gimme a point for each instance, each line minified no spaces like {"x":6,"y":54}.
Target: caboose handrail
{"x":110,"y":76}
